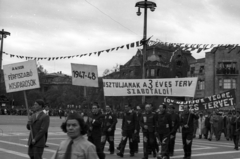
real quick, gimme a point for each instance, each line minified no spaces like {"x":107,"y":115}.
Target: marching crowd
{"x":158,"y":127}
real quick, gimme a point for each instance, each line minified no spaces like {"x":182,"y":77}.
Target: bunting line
{"x":98,"y":53}
{"x":198,"y":47}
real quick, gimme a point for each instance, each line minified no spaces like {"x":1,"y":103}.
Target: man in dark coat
{"x":136,"y":136}
{"x":108,"y":129}
{"x":38,"y":125}
{"x":147,"y":123}
{"x":163,"y":130}
{"x":187,"y":123}
{"x":236,"y":130}
{"x":207,"y":125}
{"x":94,"y":122}
{"x":129,"y":125}
{"x":175,"y":126}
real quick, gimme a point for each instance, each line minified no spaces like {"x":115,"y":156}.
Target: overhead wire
{"x":111,"y":17}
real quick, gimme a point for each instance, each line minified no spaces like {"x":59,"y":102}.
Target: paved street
{"x":13,"y":141}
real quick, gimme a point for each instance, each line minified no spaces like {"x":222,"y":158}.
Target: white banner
{"x":84,"y":75}
{"x":21,"y":76}
{"x":181,"y":87}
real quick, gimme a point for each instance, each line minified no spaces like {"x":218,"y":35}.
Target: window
{"x":227,"y":68}
{"x":179,"y":63}
{"x":220,"y":83}
{"x":192,"y":70}
{"x":201,"y":70}
{"x":228,"y":83}
{"x":234,"y":85}
{"x":201,"y":85}
{"x":152,"y":72}
{"x":158,"y":72}
{"x":131,"y":73}
{"x":147,"y":72}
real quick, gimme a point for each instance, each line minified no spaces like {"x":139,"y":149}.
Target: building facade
{"x":217,"y":72}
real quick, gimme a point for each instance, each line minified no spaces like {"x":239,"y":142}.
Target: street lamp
{"x":151,"y":5}
{"x":3,"y":35}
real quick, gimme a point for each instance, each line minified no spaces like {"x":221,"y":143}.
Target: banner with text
{"x":150,"y":87}
{"x":21,"y":76}
{"x":84,"y":75}
{"x":225,"y":99}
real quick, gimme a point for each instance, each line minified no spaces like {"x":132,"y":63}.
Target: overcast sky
{"x":51,"y":28}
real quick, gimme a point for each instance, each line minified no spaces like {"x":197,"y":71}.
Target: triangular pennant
{"x":81,"y":55}
{"x":61,"y":57}
{"x":214,"y":50}
{"x":234,"y":46}
{"x":77,"y":55}
{"x":90,"y":54}
{"x":117,"y":48}
{"x":122,"y":47}
{"x":132,"y":44}
{"x":69,"y":57}
{"x":112,"y":49}
{"x":107,"y":50}
{"x":49,"y":58}
{"x":137,"y":43}
{"x":53,"y":58}
{"x":127,"y":46}
{"x":99,"y":52}
{"x":199,"y":50}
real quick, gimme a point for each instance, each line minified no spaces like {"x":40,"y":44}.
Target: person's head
{"x":186,"y":108}
{"x":162,"y":108}
{"x":148,"y":107}
{"x":138,"y":108}
{"x":74,"y":126}
{"x":127,"y":107}
{"x":171,"y":108}
{"x":237,"y":113}
{"x":38,"y":105}
{"x":95,"y":108}
{"x":108,"y":108}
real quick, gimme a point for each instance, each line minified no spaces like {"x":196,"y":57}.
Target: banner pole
{"x":26,"y":102}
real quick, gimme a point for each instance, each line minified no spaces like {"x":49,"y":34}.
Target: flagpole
{"x":26,"y":102}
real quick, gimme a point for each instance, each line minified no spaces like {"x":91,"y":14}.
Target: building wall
{"x":213,"y":77}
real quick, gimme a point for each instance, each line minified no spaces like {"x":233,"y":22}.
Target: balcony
{"x":227,"y":71}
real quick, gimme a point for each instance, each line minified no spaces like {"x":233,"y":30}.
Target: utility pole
{"x":3,"y":35}
{"x":145,"y":5}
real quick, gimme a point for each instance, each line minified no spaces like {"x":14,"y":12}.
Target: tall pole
{"x":144,"y":46}
{"x":145,"y":5}
{"x":3,"y":35}
{"x":1,"y":57}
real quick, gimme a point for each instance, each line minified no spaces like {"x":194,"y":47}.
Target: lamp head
{"x":152,"y":9}
{"x":138,"y":12}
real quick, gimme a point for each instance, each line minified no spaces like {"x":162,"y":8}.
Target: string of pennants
{"x":128,"y":46}
{"x":182,"y":46}
{"x":197,"y":47}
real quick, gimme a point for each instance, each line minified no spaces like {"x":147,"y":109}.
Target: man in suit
{"x":46,"y":111}
{"x":38,"y":125}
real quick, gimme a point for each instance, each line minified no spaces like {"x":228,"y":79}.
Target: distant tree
{"x":116,"y":68}
{"x":40,"y":69}
{"x":106,"y":72}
